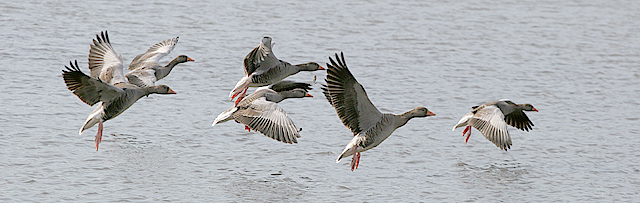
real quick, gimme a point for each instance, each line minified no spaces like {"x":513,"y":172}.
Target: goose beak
{"x":429,"y":113}
{"x":307,"y":95}
{"x":189,"y":59}
{"x":534,"y":109}
{"x":171,"y":92}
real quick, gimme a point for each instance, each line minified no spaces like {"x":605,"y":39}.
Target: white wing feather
{"x":154,"y":53}
{"x":104,"y":63}
{"x":268,"y":118}
{"x":490,"y":122}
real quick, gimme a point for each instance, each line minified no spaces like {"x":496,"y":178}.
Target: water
{"x":577,"y":62}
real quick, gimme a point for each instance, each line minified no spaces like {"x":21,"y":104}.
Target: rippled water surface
{"x":576,"y":62}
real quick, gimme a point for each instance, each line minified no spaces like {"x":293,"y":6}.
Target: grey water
{"x":577,"y":62}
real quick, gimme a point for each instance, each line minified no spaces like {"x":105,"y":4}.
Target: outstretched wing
{"x":154,"y":53}
{"x":489,"y":120}
{"x":260,"y":57}
{"x":513,"y":115}
{"x":349,"y":98}
{"x":519,"y":120}
{"x":104,"y":63}
{"x":88,"y":89}
{"x":268,"y":118}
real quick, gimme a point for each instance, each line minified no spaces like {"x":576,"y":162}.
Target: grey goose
{"x":259,"y":111}
{"x":369,"y":126}
{"x":106,"y":86}
{"x":491,"y":120}
{"x":262,"y":68}
{"x":145,"y":68}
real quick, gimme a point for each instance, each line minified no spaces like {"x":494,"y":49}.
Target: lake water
{"x":578,"y":63}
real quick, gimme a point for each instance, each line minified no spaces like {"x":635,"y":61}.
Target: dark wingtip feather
{"x":339,"y":81}
{"x":103,"y":37}
{"x":71,"y":68}
{"x":106,"y":37}
{"x":72,"y":76}
{"x":333,"y":63}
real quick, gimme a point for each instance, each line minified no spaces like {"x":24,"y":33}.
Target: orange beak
{"x":429,"y":113}
{"x":307,"y":95}
{"x":321,"y":68}
{"x":534,"y":109}
{"x":189,"y":59}
{"x":171,"y":91}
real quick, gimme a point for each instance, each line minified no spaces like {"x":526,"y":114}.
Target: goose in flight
{"x":259,"y":111}
{"x":369,"y":126}
{"x":262,"y":68}
{"x":107,"y":86}
{"x":491,"y":120}
{"x":145,"y":68}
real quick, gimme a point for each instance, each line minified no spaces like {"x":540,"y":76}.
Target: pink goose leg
{"x":466,"y":132}
{"x":356,"y":159}
{"x":99,"y":135}
{"x":241,"y":96}
{"x":245,"y":89}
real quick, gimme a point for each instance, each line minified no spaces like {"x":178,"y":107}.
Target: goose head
{"x":295,"y":93}
{"x":419,"y":112}
{"x":183,"y":58}
{"x":162,"y":89}
{"x":311,"y":66}
{"x":528,"y":107}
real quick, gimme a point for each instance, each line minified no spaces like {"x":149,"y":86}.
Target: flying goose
{"x":369,"y":126}
{"x":106,"y":85}
{"x":259,"y":111}
{"x":261,"y":68}
{"x":145,"y":69}
{"x":491,"y":120}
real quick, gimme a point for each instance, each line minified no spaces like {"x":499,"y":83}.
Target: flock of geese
{"x":114,"y":92}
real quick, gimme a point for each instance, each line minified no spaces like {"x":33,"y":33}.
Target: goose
{"x":491,"y":120}
{"x":259,"y":111}
{"x":262,"y":68}
{"x":106,"y":86}
{"x":369,"y":126}
{"x":145,"y":69}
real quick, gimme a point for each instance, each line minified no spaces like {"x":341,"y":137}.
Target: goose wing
{"x":104,"y":63}
{"x":154,"y":53}
{"x":88,"y":89}
{"x":489,"y":120}
{"x":260,"y":57}
{"x":269,"y":119}
{"x":514,"y":116}
{"x":519,"y":119}
{"x":349,"y":98}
